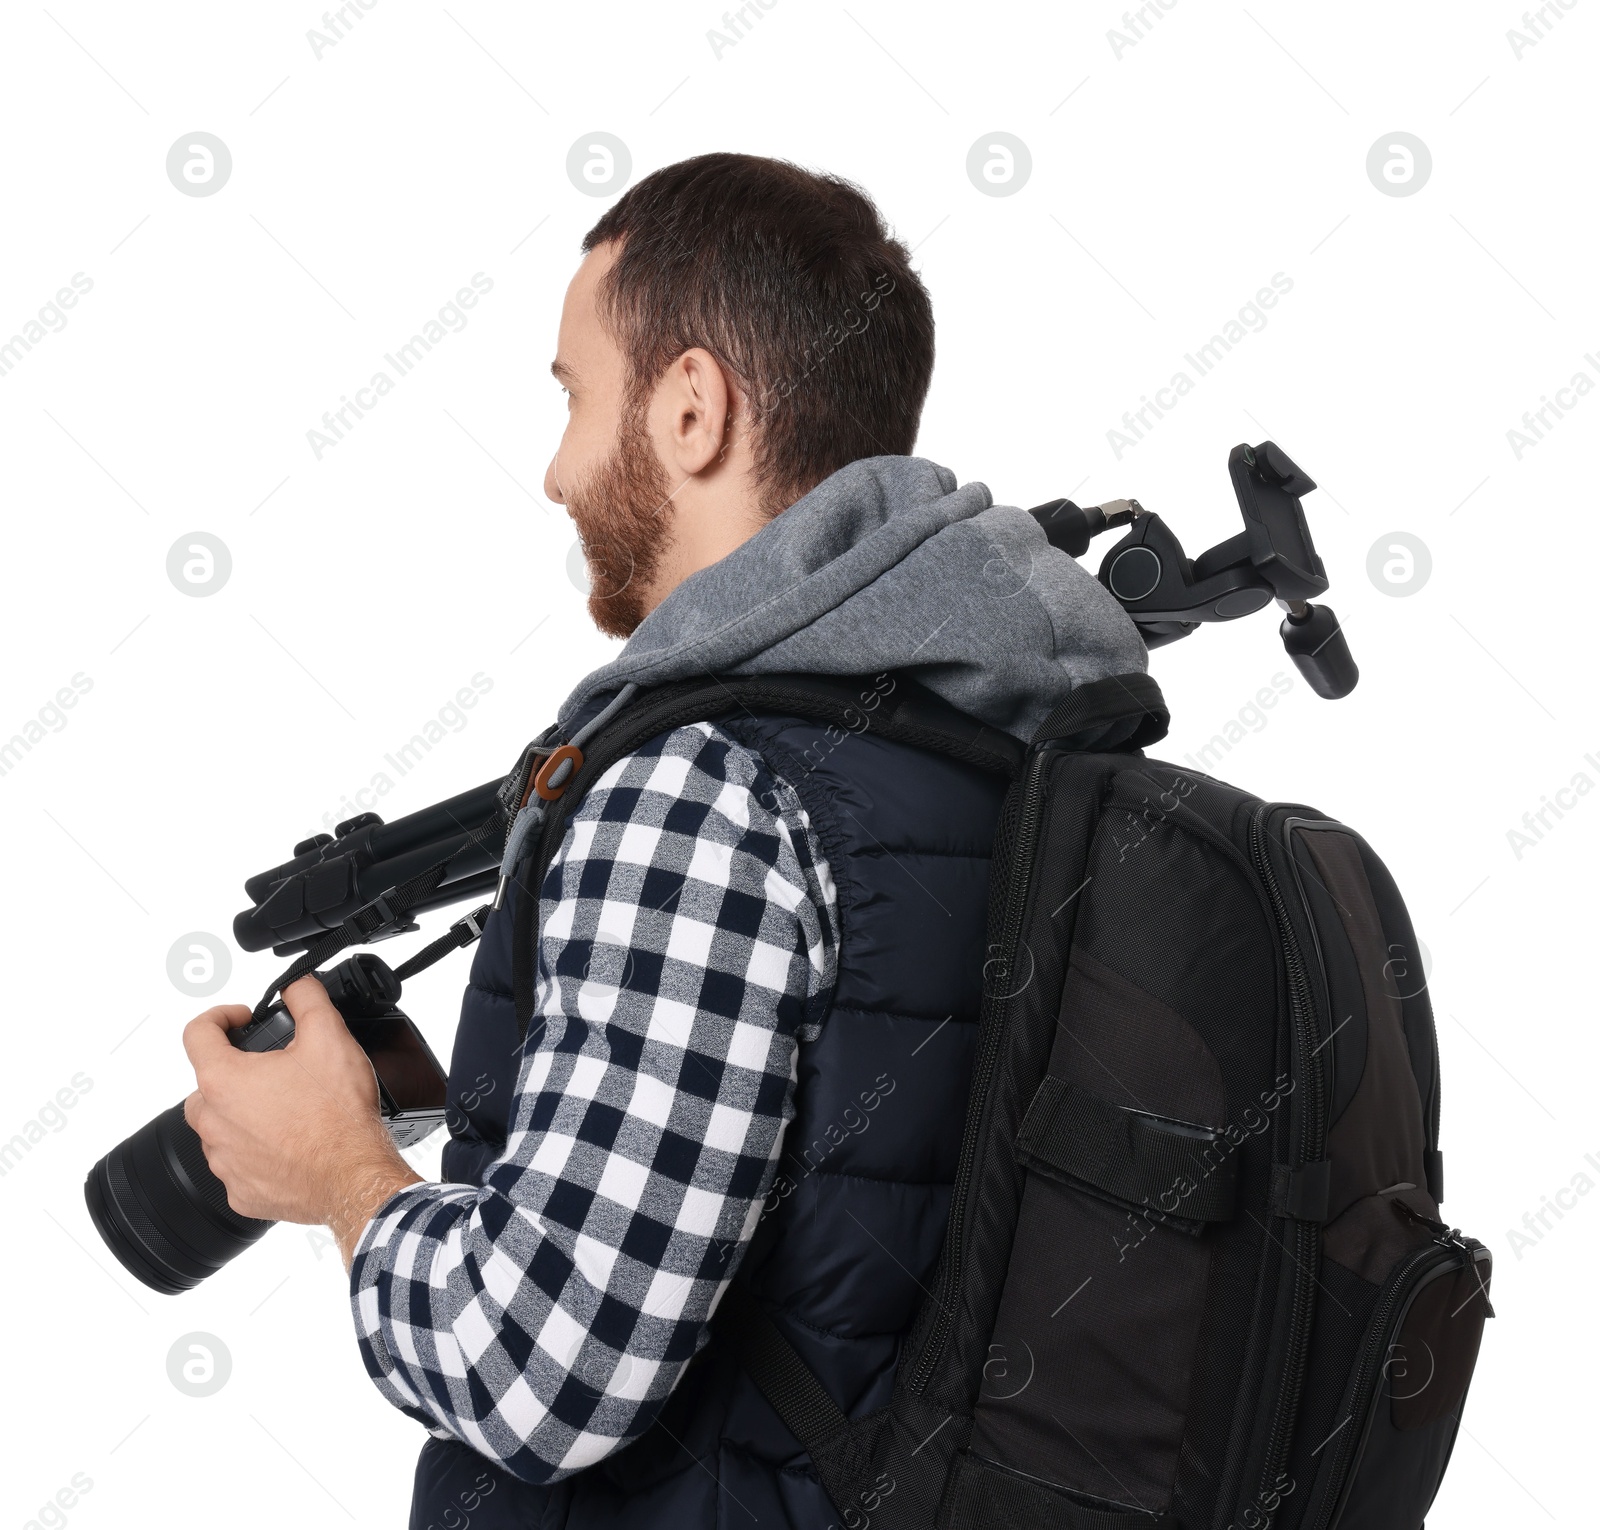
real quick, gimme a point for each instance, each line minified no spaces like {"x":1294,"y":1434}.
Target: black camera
{"x":155,"y":1201}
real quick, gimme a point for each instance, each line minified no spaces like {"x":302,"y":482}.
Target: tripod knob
{"x":1071,"y":528}
{"x":1315,"y":641}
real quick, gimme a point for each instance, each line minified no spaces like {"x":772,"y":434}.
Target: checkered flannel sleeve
{"x":688,"y":934}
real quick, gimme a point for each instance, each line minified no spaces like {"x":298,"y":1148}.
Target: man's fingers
{"x":307,"y":1000}
{"x":194,"y":1110}
{"x":205,"y":1038}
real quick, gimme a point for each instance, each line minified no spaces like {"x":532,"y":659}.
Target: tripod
{"x":331,"y":876}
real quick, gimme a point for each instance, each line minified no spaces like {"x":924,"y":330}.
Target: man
{"x":760,"y":945}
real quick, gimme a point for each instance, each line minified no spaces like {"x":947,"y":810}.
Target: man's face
{"x":606,"y":470}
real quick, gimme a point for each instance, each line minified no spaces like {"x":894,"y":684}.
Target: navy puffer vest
{"x":852,"y":1228}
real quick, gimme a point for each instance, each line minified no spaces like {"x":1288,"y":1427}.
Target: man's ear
{"x":694,"y":406}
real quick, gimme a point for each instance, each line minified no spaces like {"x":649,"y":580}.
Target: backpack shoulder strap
{"x":1116,"y":712}
{"x":904,"y":711}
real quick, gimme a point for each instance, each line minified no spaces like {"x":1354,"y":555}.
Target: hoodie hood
{"x":888,"y":565}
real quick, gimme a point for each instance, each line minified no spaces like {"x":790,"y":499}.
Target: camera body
{"x":411,"y":1084}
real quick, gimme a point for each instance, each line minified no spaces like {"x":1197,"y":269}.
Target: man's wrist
{"x":364,"y":1190}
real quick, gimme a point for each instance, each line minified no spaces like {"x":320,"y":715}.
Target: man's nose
{"x":552,"y":486}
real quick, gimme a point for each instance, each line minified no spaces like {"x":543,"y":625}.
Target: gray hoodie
{"x":888,"y":565}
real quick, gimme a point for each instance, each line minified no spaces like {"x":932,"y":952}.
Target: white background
{"x":1170,"y":180}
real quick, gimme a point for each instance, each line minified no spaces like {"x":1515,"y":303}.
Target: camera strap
{"x":462,"y":933}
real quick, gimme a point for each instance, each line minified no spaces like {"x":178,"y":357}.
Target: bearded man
{"x":757,"y":953}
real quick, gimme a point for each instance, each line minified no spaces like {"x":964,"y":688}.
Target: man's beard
{"x":620,"y":509}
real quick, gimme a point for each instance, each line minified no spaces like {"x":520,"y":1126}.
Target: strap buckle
{"x":377,"y":920}
{"x":474,"y":922}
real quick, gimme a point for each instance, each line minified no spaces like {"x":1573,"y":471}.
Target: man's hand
{"x":294,"y":1135}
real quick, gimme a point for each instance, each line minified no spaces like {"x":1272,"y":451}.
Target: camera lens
{"x":162,"y":1211}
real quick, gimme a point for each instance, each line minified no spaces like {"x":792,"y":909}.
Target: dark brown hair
{"x":791,"y":280}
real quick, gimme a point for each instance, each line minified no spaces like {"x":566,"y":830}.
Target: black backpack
{"x":1194,"y":1275}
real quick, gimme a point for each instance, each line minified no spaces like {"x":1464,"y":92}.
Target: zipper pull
{"x":527,"y":820}
{"x":514,"y":789}
{"x":1441,"y":1233}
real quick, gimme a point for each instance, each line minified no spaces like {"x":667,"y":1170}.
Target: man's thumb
{"x":308,"y":1002}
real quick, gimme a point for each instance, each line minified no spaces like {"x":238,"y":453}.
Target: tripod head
{"x":1168,"y":595}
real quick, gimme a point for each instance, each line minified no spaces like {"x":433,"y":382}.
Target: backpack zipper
{"x":1305,"y":1236}
{"x":1019,"y":875}
{"x":1456,"y":1253}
